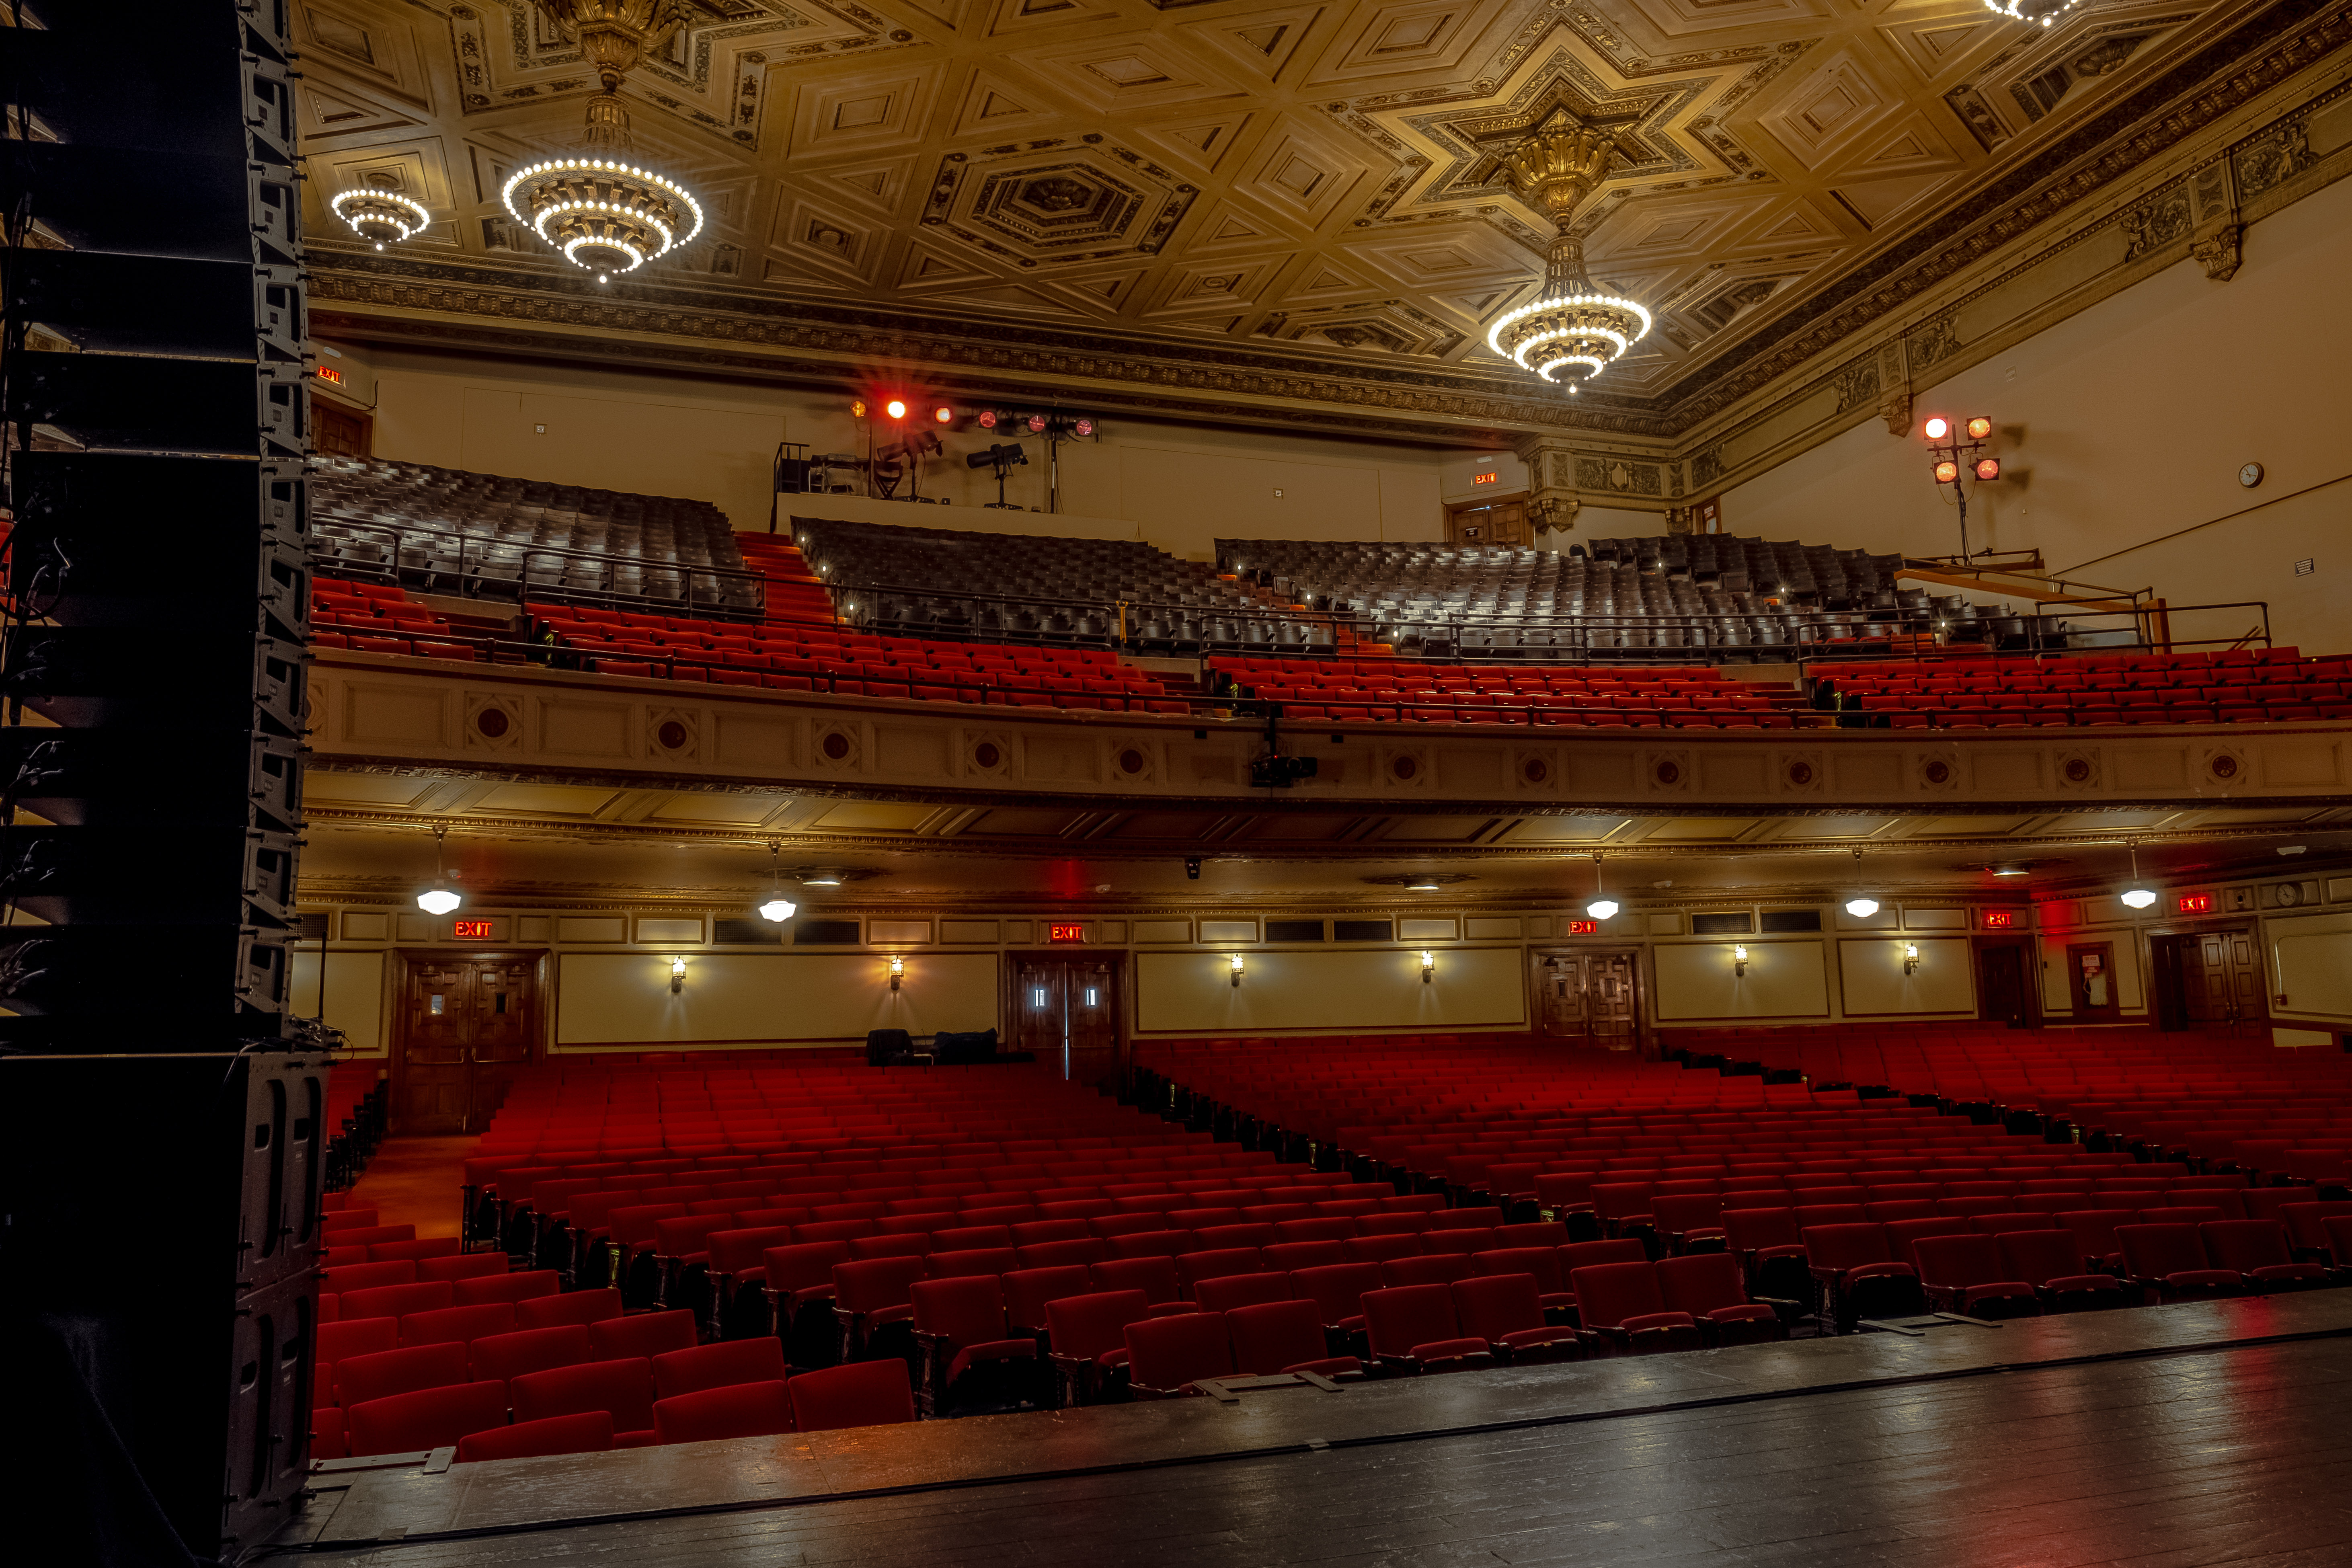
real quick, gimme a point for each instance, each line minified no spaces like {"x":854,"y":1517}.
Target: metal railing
{"x":506,"y":568}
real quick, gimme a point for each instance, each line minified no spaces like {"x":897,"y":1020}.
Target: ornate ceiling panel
{"x":1318,"y":179}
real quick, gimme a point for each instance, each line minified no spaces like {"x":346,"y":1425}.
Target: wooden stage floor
{"x":2163,"y":1437}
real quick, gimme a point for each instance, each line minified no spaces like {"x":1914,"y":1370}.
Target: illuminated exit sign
{"x":330,"y":375}
{"x":465,"y":931}
{"x":2196,"y":903}
{"x":1584,"y":928}
{"x":1488,"y":478}
{"x":1998,"y":919}
{"x":1066,"y":933}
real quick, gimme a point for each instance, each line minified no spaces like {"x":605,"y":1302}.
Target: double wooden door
{"x":1065,"y":1008}
{"x":1590,"y":996}
{"x":2220,"y":977}
{"x":1487,"y":522}
{"x":468,"y":1024}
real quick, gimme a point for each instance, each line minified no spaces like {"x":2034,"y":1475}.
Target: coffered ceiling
{"x":1318,"y":176}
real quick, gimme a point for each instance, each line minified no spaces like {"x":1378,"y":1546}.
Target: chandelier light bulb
{"x":437,"y":900}
{"x":385,"y":217}
{"x":1602,"y":909}
{"x":2136,"y":896}
{"x":778,"y":909}
{"x":1861,"y":908}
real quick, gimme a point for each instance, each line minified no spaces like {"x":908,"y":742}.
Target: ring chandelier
{"x":386,"y":217}
{"x":1574,"y":327}
{"x":600,"y":208}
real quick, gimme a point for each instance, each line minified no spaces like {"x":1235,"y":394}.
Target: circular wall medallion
{"x":492,"y":722}
{"x":2077,"y":770}
{"x":1800,"y":773}
{"x":670,"y":734}
{"x":1668,"y":773}
{"x":2224,"y":765}
{"x":1937,"y":771}
{"x":987,"y":755}
{"x":836,"y":746}
{"x":1130,"y":761}
{"x":2289,"y":895}
{"x":1402,"y":767}
{"x":1535,"y":770}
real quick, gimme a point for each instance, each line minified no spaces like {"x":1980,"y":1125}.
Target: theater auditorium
{"x":1177,"y":782}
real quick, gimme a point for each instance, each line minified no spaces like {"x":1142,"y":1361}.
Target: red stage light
{"x":1987,"y":468}
{"x":1938,"y":428}
{"x":1036,"y":424}
{"x":1946,"y":472}
{"x":1979,"y":428}
{"x":988,"y":419}
{"x":894,"y":409}
{"x":857,"y":409}
{"x":1085,"y":427}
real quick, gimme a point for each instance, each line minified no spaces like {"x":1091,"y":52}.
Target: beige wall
{"x":357,"y":998}
{"x":1175,"y":486}
{"x":2311,"y":965}
{"x":623,"y":998}
{"x":2122,"y":431}
{"x":1193,"y":993}
{"x":1873,"y":984}
{"x":1693,"y":982}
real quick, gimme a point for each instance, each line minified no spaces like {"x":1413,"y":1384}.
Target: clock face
{"x":2251,"y":475}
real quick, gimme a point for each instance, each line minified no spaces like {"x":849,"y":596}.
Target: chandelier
{"x":1574,"y":327}
{"x":386,"y":217}
{"x":2042,"y":11}
{"x":599,"y":206}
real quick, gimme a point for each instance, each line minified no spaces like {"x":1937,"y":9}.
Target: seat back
{"x":2021,"y":1219}
{"x":1027,"y":1291}
{"x":1155,"y":1277}
{"x":1489,"y":1306}
{"x":1701,"y":1282}
{"x":962,"y":1309}
{"x":2153,"y":1251}
{"x":1227,"y":1292}
{"x":1609,"y":1293}
{"x":646,"y":1334}
{"x":864,"y":1394}
{"x":1751,"y":1230}
{"x":1532,"y":1232}
{"x":1958,"y":1260}
{"x":966,"y":1260}
{"x":381,"y":1374}
{"x":1088,"y":1325}
{"x":1191,"y":1268}
{"x":398,"y":1300}
{"x":426,"y":1418}
{"x":1292,"y":1256}
{"x":1172,"y":1353}
{"x":1846,"y":1245}
{"x":732,"y":1361}
{"x":738,"y":1410}
{"x":1679,"y":1213}
{"x":524,"y":1287}
{"x":2245,"y":1245}
{"x":1541,"y":1262}
{"x":1336,"y":1288}
{"x":1380,"y":1249}
{"x":622,"y":1388}
{"x":2093,"y":1230}
{"x":357,"y":1336}
{"x":1273,"y":1336}
{"x":590,"y":1431}
{"x":456,"y":1325}
{"x":1400,"y":1317}
{"x":874,"y":1284}
{"x":1903,"y":1236}
{"x":1431,"y":1268}
{"x":572,"y":1306}
{"x":1579,"y":1255}
{"x":2038,"y":1257}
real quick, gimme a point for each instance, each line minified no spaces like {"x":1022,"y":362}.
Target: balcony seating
{"x":1413,"y":691}
{"x":2273,"y":685}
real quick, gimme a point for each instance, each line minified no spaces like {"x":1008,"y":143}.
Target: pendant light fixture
{"x":2138,"y":896}
{"x":1603,"y":906}
{"x":777,"y":906}
{"x":438,"y":900}
{"x":1862,"y":906}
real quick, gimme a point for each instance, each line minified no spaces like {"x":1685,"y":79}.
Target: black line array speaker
{"x":161,"y":1149}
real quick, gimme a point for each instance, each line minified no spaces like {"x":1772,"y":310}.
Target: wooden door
{"x":1590,"y":996}
{"x":466,"y":1025}
{"x":2091,"y":979}
{"x":2222,"y":978}
{"x":2004,"y":986}
{"x":1487,"y":522}
{"x":1065,"y":1010}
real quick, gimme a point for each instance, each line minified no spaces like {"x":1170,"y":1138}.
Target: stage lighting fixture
{"x":857,"y":409}
{"x":1084,"y":428}
{"x":987,"y":419}
{"x":1036,"y":424}
{"x":1979,"y":428}
{"x":944,"y":414}
{"x":1987,"y":468}
{"x":894,"y":409}
{"x":1937,"y":427}
{"x":1004,"y":453}
{"x":1947,"y":471}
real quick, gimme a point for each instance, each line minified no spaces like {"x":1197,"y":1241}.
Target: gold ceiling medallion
{"x":598,"y":206}
{"x":1575,"y":327}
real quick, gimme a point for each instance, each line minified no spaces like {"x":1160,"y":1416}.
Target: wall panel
{"x":623,"y":998}
{"x":354,"y":998}
{"x":1696,"y":985}
{"x":1192,"y":992}
{"x":1871,"y":981}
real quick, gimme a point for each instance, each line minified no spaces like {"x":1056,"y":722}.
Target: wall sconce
{"x":677,"y":976}
{"x":1910,"y":957}
{"x":1428,"y":966}
{"x":1739,"y":962}
{"x":1237,"y":969}
{"x":897,"y":971}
